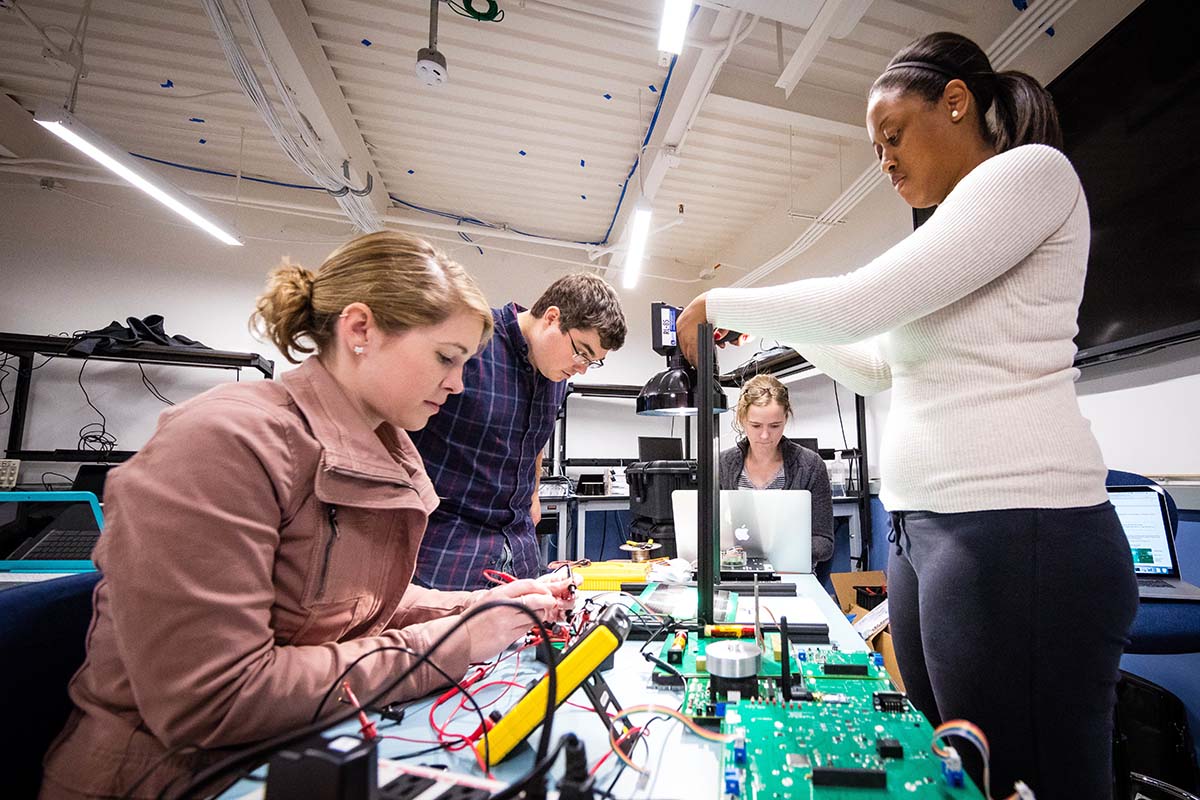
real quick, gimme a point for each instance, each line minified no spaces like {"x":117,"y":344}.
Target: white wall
{"x":1146,"y":411}
{"x":67,"y":265}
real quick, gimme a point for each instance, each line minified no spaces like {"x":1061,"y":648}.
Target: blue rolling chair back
{"x":43,"y":627}
{"x":1118,"y":478}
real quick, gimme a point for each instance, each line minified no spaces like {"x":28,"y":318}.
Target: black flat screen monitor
{"x":1130,"y":112}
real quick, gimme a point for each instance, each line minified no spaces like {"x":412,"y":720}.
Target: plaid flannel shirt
{"x":481,"y":452}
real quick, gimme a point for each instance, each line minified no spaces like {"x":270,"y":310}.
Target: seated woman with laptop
{"x":265,"y":537}
{"x":764,"y":459}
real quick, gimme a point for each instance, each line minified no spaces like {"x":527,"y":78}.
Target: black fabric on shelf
{"x":116,"y":337}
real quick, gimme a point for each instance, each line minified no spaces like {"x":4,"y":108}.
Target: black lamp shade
{"x":672,"y":393}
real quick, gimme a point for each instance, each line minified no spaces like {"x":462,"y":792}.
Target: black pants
{"x":1015,"y":620}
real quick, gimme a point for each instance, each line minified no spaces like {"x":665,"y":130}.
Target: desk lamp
{"x":672,"y":392}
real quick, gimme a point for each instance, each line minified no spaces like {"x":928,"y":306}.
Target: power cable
{"x":257,"y":752}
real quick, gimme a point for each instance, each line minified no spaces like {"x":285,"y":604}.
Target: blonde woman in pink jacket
{"x":265,"y":537}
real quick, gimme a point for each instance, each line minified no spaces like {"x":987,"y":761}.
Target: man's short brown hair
{"x":585,"y":301}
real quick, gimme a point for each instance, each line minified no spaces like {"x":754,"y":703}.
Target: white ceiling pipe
{"x":806,"y":51}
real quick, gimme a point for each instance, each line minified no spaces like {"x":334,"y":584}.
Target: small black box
{"x":341,"y":768}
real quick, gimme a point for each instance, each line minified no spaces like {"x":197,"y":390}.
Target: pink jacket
{"x":260,"y":542}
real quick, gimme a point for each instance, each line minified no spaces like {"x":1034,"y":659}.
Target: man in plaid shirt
{"x":483,"y":449}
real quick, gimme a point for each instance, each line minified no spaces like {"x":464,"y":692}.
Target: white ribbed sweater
{"x":970,"y":322}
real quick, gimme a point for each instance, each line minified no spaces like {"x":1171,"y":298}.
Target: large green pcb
{"x":851,"y":737}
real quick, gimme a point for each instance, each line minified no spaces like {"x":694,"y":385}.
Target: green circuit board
{"x":854,"y":738}
{"x":832,"y":751}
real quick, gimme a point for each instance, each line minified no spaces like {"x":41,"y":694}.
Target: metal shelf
{"x":26,"y":346}
{"x":21,"y":344}
{"x":73,"y":456}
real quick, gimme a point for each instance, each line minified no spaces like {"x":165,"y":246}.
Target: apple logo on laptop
{"x":741,"y":533}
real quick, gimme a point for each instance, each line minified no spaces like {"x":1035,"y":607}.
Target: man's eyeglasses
{"x":581,"y":358}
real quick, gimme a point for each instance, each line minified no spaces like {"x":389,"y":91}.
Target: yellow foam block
{"x":609,"y":575}
{"x":773,"y":640}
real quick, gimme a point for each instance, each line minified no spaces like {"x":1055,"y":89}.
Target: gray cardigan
{"x":802,"y":469}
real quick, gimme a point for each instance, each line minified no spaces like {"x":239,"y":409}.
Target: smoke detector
{"x":431,"y":67}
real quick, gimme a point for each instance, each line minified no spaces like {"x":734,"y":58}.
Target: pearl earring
{"x":359,"y":349}
{"x":954,"y":114}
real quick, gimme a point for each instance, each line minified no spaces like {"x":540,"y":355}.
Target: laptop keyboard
{"x":1153,"y":583}
{"x":63,"y":546}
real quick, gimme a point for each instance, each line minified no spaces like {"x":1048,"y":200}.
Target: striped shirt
{"x":481,"y":453}
{"x":778,"y":482}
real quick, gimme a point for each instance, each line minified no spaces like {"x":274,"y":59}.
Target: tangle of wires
{"x":466,"y":8}
{"x":7,"y":369}
{"x":94,"y":435}
{"x":240,"y":763}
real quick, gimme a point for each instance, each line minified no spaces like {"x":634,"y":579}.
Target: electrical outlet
{"x":8,"y":473}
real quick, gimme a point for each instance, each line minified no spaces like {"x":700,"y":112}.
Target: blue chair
{"x":43,"y":627}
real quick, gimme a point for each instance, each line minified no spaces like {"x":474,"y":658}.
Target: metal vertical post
{"x":20,"y":405}
{"x":708,"y":498}
{"x":864,"y":483}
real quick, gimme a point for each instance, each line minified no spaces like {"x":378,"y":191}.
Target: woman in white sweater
{"x":1011,"y":586}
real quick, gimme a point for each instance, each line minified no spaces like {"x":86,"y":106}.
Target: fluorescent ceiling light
{"x":65,"y":126}
{"x":639,"y":232}
{"x":675,"y":18}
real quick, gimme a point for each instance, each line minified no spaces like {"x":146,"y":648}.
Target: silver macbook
{"x":1147,"y":522}
{"x":774,"y":525}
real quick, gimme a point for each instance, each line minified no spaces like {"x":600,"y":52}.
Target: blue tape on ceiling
{"x":649,"y":131}
{"x":412,"y":172}
{"x":653,"y":90}
{"x":582,"y":163}
{"x":583,"y":197}
{"x":1023,"y":5}
{"x":204,"y":141}
{"x":168,"y":85}
{"x":195,"y":119}
{"x":607,"y":96}
{"x":366,"y":42}
{"x":522,"y":153}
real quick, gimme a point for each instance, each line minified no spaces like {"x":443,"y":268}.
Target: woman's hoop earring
{"x":359,"y":349}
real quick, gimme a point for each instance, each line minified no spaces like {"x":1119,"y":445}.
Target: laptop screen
{"x":1143,"y":517}
{"x":660,"y":448}
{"x":22,"y":523}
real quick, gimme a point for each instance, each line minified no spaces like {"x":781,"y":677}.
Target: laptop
{"x":660,"y":448}
{"x":44,"y":534}
{"x":773,"y":526}
{"x":1147,"y":523}
{"x":90,"y":478}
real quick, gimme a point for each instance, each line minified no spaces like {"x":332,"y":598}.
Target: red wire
{"x":620,"y":739}
{"x":368,"y":727}
{"x":496,"y":576}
